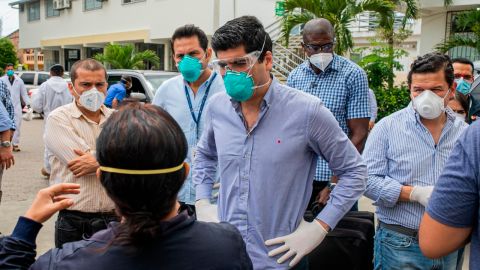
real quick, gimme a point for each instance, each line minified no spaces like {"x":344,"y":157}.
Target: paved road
{"x":21,"y":183}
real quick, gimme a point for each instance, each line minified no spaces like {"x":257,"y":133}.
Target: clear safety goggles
{"x":238,"y":64}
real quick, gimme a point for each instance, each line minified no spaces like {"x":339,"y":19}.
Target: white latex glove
{"x":206,"y":211}
{"x":302,"y":241}
{"x":421,"y":194}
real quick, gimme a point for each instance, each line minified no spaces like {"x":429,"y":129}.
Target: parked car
{"x":33,"y":79}
{"x":144,"y":82}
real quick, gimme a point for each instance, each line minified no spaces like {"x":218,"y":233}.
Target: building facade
{"x":69,"y":30}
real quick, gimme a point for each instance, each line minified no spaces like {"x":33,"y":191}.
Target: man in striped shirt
{"x":405,"y":153}
{"x":70,"y":135}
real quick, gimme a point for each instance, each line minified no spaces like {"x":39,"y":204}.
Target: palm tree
{"x":339,"y":12}
{"x":392,"y":35}
{"x":467,"y":22}
{"x":125,"y":56}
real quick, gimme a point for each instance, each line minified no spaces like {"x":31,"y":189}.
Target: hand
{"x":6,"y":157}
{"x":50,"y":200}
{"x":114,"y":103}
{"x":302,"y":241}
{"x":323,"y":196}
{"x":85,"y":164}
{"x":371,"y":124}
{"x":206,"y":211}
{"x":421,"y":194}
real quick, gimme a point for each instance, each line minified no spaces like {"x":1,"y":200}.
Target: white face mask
{"x":92,"y":99}
{"x":429,"y":105}
{"x":460,"y":116}
{"x":321,"y":60}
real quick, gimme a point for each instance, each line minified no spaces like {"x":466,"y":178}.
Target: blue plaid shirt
{"x":343,"y":88}
{"x":7,"y":102}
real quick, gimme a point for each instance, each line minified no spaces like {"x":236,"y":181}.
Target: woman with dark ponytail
{"x":141,"y":152}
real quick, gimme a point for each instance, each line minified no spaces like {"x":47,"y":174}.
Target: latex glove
{"x":206,"y":211}
{"x":302,"y":241}
{"x":421,"y":194}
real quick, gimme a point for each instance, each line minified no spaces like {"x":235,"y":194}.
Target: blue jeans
{"x":394,"y":251}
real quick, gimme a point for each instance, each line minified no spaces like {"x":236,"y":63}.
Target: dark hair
{"x":9,"y":65}
{"x":56,"y":70}
{"x":431,"y":63}
{"x":247,"y":31}
{"x":190,"y":30}
{"x":125,"y":79}
{"x":463,"y":100}
{"x":463,"y":61}
{"x":88,"y":64}
{"x":141,"y":137}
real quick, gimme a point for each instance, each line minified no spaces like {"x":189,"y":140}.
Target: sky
{"x":9,"y":17}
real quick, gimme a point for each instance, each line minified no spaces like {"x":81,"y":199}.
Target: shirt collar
{"x":334,"y":65}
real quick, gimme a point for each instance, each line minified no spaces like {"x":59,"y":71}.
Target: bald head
{"x":318,"y":27}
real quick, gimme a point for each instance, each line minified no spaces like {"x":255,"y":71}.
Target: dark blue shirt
{"x":185,"y":244}
{"x":454,"y":201}
{"x":117,"y":91}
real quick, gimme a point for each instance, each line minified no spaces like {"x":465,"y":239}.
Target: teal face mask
{"x":239,"y":85}
{"x":191,"y":68}
{"x":10,"y":72}
{"x":463,"y":86}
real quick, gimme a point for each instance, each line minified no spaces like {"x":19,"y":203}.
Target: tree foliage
{"x":341,"y":13}
{"x":125,"y":57}
{"x":8,"y":53}
{"x":468,"y":23}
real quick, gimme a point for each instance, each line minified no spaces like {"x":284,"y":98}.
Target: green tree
{"x":7,"y":52}
{"x":341,"y":13}
{"x":124,"y":56}
{"x":468,"y":23}
{"x":394,"y":35}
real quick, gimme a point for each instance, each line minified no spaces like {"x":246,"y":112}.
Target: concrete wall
{"x":158,"y":18}
{"x":433,"y":32}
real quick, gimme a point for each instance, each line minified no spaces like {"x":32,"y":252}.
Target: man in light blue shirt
{"x":373,"y":109}
{"x":185,"y":96}
{"x":405,"y":154}
{"x":266,"y":138}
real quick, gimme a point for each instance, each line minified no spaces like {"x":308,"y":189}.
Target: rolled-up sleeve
{"x":205,"y":162}
{"x":329,"y":141}
{"x":358,"y":104}
{"x":381,"y":188}
{"x":5,"y":121}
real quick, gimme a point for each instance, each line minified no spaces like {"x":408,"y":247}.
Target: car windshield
{"x":156,"y":80}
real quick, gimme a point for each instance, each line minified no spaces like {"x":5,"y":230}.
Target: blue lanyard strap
{"x":196,"y":119}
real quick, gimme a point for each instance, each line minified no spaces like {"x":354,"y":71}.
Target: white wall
{"x":433,"y":32}
{"x":160,"y":17}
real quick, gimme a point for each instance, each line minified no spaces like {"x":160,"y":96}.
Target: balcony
{"x":29,"y":60}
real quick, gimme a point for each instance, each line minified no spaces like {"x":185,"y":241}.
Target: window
{"x":42,"y":78}
{"x":51,"y":12}
{"x":34,"y":11}
{"x":28,"y":78}
{"x":131,"y":1}
{"x":92,"y":4}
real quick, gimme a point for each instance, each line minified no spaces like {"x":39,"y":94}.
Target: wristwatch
{"x":6,"y":144}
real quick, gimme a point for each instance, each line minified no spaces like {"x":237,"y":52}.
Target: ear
{"x":268,"y":60}
{"x":187,"y":169}
{"x":70,"y":88}
{"x":98,"y":173}
{"x":209,"y":53}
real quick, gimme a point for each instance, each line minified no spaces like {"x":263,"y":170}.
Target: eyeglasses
{"x":465,"y":77}
{"x":319,"y":48}
{"x":239,"y":64}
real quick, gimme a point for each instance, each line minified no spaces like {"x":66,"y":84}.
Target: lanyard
{"x":197,"y":119}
